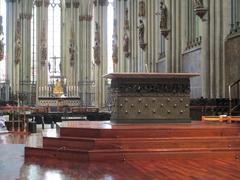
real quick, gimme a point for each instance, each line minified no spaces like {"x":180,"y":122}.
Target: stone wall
{"x":232,"y":63}
{"x":191,"y":64}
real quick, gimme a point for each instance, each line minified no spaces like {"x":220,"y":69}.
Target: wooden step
{"x":133,"y":133}
{"x":149,"y":131}
{"x":137,"y":143}
{"x":121,"y":155}
{"x":103,"y":141}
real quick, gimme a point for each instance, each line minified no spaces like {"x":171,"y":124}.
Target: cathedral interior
{"x":73,"y":72}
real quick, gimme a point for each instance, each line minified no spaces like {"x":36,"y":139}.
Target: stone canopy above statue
{"x":150,"y":97}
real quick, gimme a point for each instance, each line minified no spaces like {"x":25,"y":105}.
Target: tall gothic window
{"x":54,"y":39}
{"x":3,"y":41}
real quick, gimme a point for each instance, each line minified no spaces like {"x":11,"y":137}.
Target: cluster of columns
{"x":18,"y":43}
{"x":138,"y":48}
{"x":141,"y":57}
{"x":214,"y":28}
{"x":100,"y":68}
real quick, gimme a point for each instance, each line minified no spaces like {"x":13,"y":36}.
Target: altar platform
{"x":105,"y":141}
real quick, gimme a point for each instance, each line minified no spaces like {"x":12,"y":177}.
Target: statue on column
{"x":141,"y":12}
{"x":163,"y":16}
{"x":72,"y":53}
{"x":114,"y":43}
{"x":141,"y":32}
{"x":142,"y":44}
{"x":126,"y":21}
{"x":43,"y":47}
{"x":18,"y":45}
{"x":1,"y":49}
{"x":115,"y":51}
{"x":72,"y":48}
{"x":125,"y":43}
{"x":1,"y":40}
{"x":96,"y":48}
{"x":96,"y":53}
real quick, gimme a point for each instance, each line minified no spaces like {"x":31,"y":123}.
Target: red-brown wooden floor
{"x":12,"y":165}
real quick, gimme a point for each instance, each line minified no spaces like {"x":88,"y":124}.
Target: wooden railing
{"x":234,"y":86}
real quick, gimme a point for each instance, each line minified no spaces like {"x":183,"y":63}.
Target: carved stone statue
{"x":126,"y":21}
{"x":96,"y":53}
{"x":141,"y":32}
{"x":18,"y":44}
{"x":43,"y":53}
{"x":115,"y":51}
{"x":125,"y":43}
{"x":163,"y":16}
{"x":141,"y":12}
{"x":198,"y":4}
{"x":49,"y":67}
{"x":1,"y":49}
{"x":43,"y":47}
{"x":72,"y":52}
{"x":96,"y":48}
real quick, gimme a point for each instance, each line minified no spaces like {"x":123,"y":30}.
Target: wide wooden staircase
{"x":102,"y":141}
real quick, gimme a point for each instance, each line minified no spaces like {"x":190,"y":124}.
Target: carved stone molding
{"x":85,"y":18}
{"x":10,"y":1}
{"x":179,"y":86}
{"x":38,"y":3}
{"x":46,"y":3}
{"x":68,"y":4}
{"x":27,"y":16}
{"x":165,"y":32}
{"x":200,"y":12}
{"x":76,"y":4}
{"x":101,"y":2}
{"x":199,"y":8}
{"x":194,"y":43}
